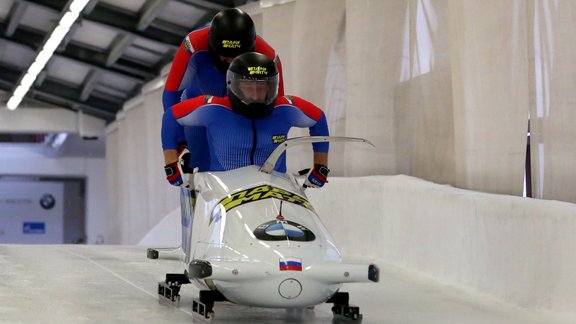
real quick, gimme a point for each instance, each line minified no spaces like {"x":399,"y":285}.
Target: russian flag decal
{"x":290,"y":264}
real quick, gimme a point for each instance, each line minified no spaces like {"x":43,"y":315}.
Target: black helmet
{"x":231,"y":33}
{"x":252,"y":80}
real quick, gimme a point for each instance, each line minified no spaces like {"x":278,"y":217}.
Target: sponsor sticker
{"x":263,"y":192}
{"x":34,"y":228}
{"x":277,"y":139}
{"x":231,"y":43}
{"x":260,"y":70}
{"x":47,"y":201}
{"x":283,"y":230}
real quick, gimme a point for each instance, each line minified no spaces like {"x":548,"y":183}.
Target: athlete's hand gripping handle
{"x":175,"y":171}
{"x":317,"y":177}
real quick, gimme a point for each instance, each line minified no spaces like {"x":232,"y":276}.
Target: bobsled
{"x":250,"y":236}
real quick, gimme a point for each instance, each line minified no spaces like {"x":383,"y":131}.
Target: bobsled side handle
{"x":270,"y":163}
{"x":344,"y":273}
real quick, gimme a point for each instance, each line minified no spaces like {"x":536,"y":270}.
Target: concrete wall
{"x":519,"y":250}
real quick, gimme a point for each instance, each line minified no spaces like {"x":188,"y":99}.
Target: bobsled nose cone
{"x":290,"y":288}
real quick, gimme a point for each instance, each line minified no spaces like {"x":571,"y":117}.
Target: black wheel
{"x":152,"y":254}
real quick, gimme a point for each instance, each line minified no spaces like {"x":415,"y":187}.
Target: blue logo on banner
{"x":34,"y":228}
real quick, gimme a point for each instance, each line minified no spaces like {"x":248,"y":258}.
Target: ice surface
{"x":118,"y":284}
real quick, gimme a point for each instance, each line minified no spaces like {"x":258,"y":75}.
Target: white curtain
{"x":552,"y":53}
{"x":423,"y":108}
{"x":373,"y":61}
{"x":443,"y":88}
{"x":303,"y":33}
{"x":335,"y":95}
{"x":139,"y":194}
{"x":490,"y":90}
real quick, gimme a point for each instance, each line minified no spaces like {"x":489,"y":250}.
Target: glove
{"x":317,"y":176}
{"x":176,"y":170}
{"x":174,"y":173}
{"x":184,"y":159}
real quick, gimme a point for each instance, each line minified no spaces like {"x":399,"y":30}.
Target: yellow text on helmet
{"x":257,"y":70}
{"x":231,"y":44}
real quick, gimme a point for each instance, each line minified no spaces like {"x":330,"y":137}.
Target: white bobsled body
{"x":257,"y":239}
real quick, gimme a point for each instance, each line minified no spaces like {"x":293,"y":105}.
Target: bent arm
{"x":320,"y":149}
{"x":169,"y":131}
{"x":170,"y":156}
{"x":321,"y":158}
{"x":173,"y":87}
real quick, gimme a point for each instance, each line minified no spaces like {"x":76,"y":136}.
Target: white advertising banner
{"x":31,"y":212}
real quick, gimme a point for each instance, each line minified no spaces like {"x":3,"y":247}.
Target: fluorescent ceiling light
{"x":78,"y":5}
{"x":47,"y":50}
{"x":20,"y":91}
{"x":28,"y":80}
{"x":13,"y":102}
{"x":68,"y":19}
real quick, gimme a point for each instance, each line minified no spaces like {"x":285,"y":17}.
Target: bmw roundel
{"x":47,"y":201}
{"x":280,"y":230}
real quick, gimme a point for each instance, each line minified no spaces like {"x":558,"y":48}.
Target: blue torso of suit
{"x":203,"y":77}
{"x":236,"y":141}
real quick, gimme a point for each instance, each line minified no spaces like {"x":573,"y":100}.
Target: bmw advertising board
{"x":31,"y":212}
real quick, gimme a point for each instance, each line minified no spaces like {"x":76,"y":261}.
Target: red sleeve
{"x":195,"y":41}
{"x":280,"y":76}
{"x":187,"y":106}
{"x":308,"y":108}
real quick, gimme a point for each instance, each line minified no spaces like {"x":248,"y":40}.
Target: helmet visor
{"x":253,"y":90}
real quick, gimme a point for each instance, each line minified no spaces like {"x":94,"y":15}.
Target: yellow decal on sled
{"x":263,"y":192}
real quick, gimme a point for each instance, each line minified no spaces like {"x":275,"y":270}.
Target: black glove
{"x":317,"y":176}
{"x":184,"y":160}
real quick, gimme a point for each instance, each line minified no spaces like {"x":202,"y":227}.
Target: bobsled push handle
{"x":270,"y":163}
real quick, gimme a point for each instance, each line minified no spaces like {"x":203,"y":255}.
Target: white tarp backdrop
{"x":444,"y":88}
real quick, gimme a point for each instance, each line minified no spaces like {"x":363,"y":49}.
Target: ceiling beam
{"x":89,"y":84}
{"x":119,"y":45}
{"x":117,"y":19}
{"x":127,"y":21}
{"x":206,"y":5}
{"x":149,"y":12}
{"x":48,"y":120}
{"x":16,"y":14}
{"x":58,"y":94}
{"x":82,"y":61}
{"x":73,"y":51}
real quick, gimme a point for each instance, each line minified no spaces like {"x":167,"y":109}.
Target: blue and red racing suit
{"x":236,"y":141}
{"x":194,"y":73}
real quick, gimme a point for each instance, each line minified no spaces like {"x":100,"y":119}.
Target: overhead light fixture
{"x":45,"y":54}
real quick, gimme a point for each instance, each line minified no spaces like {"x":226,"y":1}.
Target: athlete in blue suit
{"x":247,"y":125}
{"x":200,"y":65}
